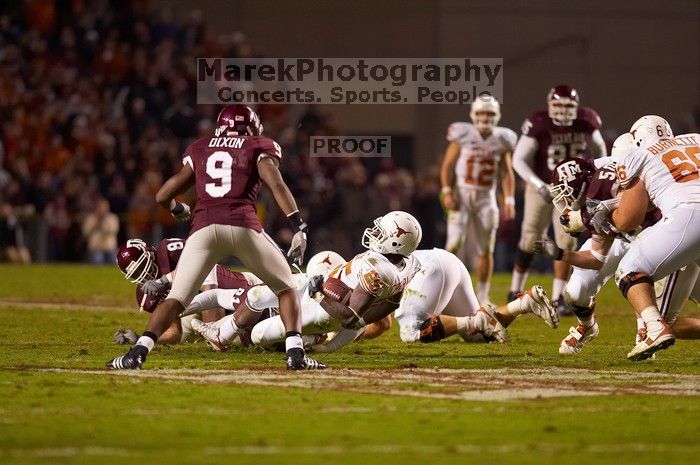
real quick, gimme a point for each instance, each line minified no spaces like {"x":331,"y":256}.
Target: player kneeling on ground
{"x":440,"y":301}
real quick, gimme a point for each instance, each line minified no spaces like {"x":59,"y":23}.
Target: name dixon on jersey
{"x":230,"y":142}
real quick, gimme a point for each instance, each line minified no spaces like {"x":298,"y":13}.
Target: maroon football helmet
{"x":238,"y":120}
{"x":562,"y":104}
{"x":137,"y":260}
{"x":569,"y":182}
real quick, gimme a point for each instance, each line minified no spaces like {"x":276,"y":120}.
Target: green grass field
{"x":382,"y":401}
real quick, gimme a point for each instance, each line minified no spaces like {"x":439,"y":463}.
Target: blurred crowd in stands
{"x":97,"y":103}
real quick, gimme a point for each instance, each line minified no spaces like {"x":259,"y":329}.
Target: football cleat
{"x":490,"y":327}
{"x":563,"y":309}
{"x":297,"y":360}
{"x":538,"y":302}
{"x":578,"y":337}
{"x":512,"y":296}
{"x":132,"y":360}
{"x":657,"y":339}
{"x":641,"y":335}
{"x":210,"y":333}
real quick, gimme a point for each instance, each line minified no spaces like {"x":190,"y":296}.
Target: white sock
{"x":293,"y":342}
{"x":518,"y":306}
{"x":482,"y":293}
{"x":517,"y":283}
{"x":465,"y":324}
{"x":557,"y":288}
{"x":147,"y":342}
{"x":228,"y":329}
{"x":652,"y":317}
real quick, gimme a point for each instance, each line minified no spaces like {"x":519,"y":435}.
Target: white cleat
{"x":490,"y":327}
{"x":210,"y":333}
{"x":578,"y":337}
{"x":654,"y":340}
{"x":641,"y":335}
{"x":538,"y":302}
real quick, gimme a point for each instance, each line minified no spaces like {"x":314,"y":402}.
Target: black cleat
{"x":297,"y":360}
{"x":562,"y":308}
{"x":132,"y":360}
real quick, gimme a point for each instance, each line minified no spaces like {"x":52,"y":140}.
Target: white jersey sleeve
{"x":508,"y":138}
{"x":375,"y":274}
{"x":457,"y":131}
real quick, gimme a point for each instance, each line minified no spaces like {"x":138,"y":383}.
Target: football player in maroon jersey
{"x":549,"y":137}
{"x":227,"y":171}
{"x":152,"y":267}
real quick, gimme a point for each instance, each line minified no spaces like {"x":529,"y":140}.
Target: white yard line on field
{"x":491,"y":385}
{"x":64,"y":306}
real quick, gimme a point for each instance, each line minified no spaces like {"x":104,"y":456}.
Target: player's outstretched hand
{"x":547,"y":248}
{"x":155,"y":287}
{"x":181,"y":212}
{"x":298,"y":247}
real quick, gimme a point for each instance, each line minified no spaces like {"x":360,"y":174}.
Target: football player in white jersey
{"x":440,"y":302}
{"x":364,"y":290}
{"x":478,"y":154}
{"x":662,"y":170}
{"x":259,"y":300}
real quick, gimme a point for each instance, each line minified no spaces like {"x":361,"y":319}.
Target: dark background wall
{"x":627,"y":58}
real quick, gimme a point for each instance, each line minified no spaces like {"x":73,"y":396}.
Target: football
{"x":336,"y":290}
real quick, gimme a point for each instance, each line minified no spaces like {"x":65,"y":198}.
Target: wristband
{"x":560,"y":254}
{"x":446,"y":190}
{"x":296,"y":222}
{"x":598,"y":256}
{"x":177,"y":209}
{"x":510,"y":201}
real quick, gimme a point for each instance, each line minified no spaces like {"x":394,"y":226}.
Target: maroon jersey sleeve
{"x":590,"y":118}
{"x":168,"y":254}
{"x":235,"y":281}
{"x":270,"y":147}
{"x":536,"y":126}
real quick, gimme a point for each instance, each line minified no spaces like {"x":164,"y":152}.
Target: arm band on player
{"x":446,"y":190}
{"x":510,"y":201}
{"x":177,"y":209}
{"x":296,"y":222}
{"x":599,"y":256}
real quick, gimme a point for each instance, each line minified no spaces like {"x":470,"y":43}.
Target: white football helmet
{"x":489,"y":105}
{"x":323,"y":262}
{"x":396,"y":232}
{"x":650,"y":128}
{"x":622,"y":146}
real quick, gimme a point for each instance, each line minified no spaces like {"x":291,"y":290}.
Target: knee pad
{"x":523,"y":259}
{"x":632,"y":279}
{"x":432,"y":330}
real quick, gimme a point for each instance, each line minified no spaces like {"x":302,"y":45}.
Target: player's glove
{"x":125,"y":336}
{"x":181,"y":212}
{"x":316,"y":287}
{"x":597,"y":215}
{"x":298,"y":246}
{"x":548,"y":248}
{"x":155,"y":287}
